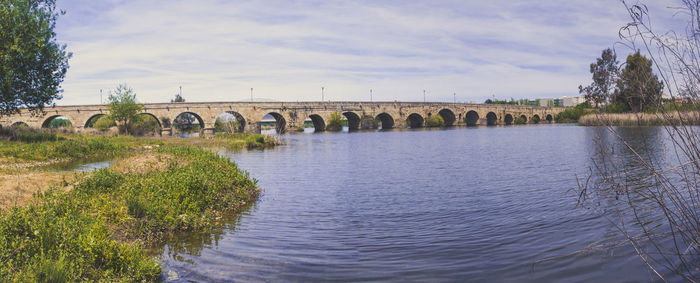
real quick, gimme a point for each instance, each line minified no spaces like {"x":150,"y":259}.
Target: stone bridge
{"x":360,"y":115}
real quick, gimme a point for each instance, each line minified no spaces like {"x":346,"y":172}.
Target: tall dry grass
{"x":641,"y":119}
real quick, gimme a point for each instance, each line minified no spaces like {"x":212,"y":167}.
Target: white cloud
{"x":287,"y":50}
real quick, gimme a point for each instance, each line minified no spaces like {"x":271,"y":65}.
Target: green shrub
{"x":572,"y":115}
{"x":142,"y":125}
{"x":69,"y":236}
{"x":434,"y":121}
{"x":519,"y":121}
{"x":27,"y":134}
{"x":59,"y":123}
{"x":104,"y":123}
{"x":335,"y":122}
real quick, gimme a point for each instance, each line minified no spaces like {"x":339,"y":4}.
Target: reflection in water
{"x":641,"y":181}
{"x":476,"y":204}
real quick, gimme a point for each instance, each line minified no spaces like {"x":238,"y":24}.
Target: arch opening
{"x":414,"y":121}
{"x":448,"y":116}
{"x":535,"y":119}
{"x":508,"y":119}
{"x":521,"y":120}
{"x":384,"y":121}
{"x":90,"y":123}
{"x":273,"y":123}
{"x":353,"y":120}
{"x":145,"y":124}
{"x":315,"y":124}
{"x":187,"y":122}
{"x":56,"y":121}
{"x":19,"y":124}
{"x":549,"y":118}
{"x":472,"y":118}
{"x":229,"y":122}
{"x":491,"y":119}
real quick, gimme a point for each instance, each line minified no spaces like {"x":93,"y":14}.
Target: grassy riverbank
{"x":640,"y":119}
{"x":92,"y":226}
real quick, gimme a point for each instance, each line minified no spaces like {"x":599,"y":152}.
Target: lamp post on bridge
{"x":370,"y":95}
{"x":101,"y":97}
{"x":322,"y":94}
{"x":251,"y":94}
{"x":423,"y":96}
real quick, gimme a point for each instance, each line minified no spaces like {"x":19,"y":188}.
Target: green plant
{"x":143,"y":124}
{"x":519,"y":121}
{"x":571,"y":115}
{"x":434,"y":121}
{"x":104,"y":123}
{"x":335,"y":122}
{"x":123,"y":107}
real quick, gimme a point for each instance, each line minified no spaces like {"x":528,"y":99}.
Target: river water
{"x":480,"y":204}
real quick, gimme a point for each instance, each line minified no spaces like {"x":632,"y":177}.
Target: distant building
{"x":572,"y":101}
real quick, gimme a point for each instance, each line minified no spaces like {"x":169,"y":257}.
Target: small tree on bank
{"x":123,"y":107}
{"x":32,"y":63}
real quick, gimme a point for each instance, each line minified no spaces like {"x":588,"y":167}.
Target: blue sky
{"x":287,"y":50}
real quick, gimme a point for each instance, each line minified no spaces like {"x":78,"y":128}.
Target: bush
{"x":27,"y":134}
{"x":104,"y":123}
{"x":71,"y":235}
{"x":335,"y":122}
{"x":434,"y":121}
{"x":572,"y":115}
{"x":519,"y":121}
{"x":142,"y":125}
{"x":223,"y":126}
{"x":166,"y":122}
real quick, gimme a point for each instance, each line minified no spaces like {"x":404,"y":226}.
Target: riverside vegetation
{"x":94,"y":226}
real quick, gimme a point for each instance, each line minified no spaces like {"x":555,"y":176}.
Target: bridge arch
{"x":318,"y":124}
{"x":57,"y":121}
{"x":353,"y":120}
{"x":472,"y":118}
{"x":230,"y":121}
{"x":186,"y":121}
{"x":535,"y":119}
{"x":524,"y":118}
{"x":508,"y":119}
{"x":415,"y":120}
{"x":491,"y":119}
{"x":549,"y":118}
{"x":448,"y":116}
{"x":90,"y":123}
{"x":19,"y":124}
{"x":280,"y":124}
{"x":385,"y":120}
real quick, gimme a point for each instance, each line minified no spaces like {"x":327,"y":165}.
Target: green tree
{"x":32,"y":64}
{"x":604,"y":72}
{"x":335,"y":122}
{"x":638,"y":87}
{"x":178,"y":98}
{"x":123,"y":107}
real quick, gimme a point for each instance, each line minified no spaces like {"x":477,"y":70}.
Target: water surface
{"x":477,"y":204}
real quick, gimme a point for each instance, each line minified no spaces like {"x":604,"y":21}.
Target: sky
{"x":217,"y":50}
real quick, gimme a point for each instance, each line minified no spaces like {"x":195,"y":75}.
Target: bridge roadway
{"x":360,"y":115}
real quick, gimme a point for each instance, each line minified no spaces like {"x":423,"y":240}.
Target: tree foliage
{"x":32,"y":63}
{"x":178,"y":98}
{"x":123,"y":107}
{"x":638,"y":87}
{"x":604,"y":72}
